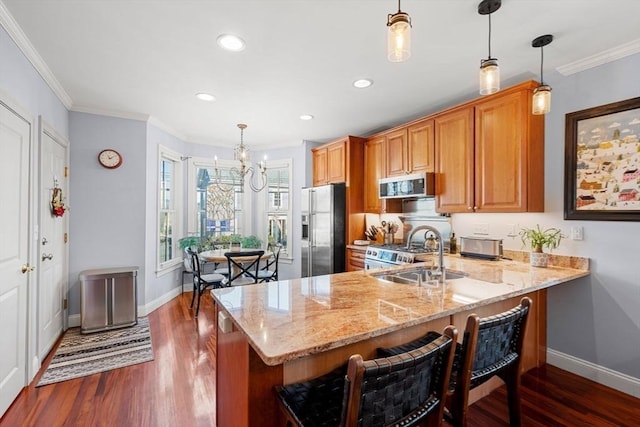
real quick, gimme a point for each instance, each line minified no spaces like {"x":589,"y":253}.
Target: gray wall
{"x":107,"y":227}
{"x":596,"y":318}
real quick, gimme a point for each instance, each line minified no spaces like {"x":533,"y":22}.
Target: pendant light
{"x":542,"y":94}
{"x":489,"y":70}
{"x":398,"y":36}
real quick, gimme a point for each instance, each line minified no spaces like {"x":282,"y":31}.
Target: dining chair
{"x":269,"y":272}
{"x":202,"y":281}
{"x":187,"y":269}
{"x":243,"y":265}
{"x":491,"y":346}
{"x":405,"y":390}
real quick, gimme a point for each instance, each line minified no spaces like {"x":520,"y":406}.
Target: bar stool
{"x":491,"y":346}
{"x":406,"y":389}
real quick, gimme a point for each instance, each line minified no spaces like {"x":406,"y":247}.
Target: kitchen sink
{"x":413,"y":277}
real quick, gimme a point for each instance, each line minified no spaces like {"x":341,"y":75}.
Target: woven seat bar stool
{"x":407,"y":389}
{"x":491,"y":346}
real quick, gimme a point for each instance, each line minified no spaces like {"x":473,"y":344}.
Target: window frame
{"x":286,"y":253}
{"x":177,"y":197}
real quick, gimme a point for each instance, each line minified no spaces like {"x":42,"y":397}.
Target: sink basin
{"x":412,"y":277}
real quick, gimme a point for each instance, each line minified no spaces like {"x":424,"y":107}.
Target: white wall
{"x":595,"y":319}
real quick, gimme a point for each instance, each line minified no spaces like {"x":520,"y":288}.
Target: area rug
{"x":79,"y":355}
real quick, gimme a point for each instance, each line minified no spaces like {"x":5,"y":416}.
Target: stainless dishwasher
{"x":108,"y":299}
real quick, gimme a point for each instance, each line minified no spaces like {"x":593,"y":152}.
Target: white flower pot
{"x":539,"y":259}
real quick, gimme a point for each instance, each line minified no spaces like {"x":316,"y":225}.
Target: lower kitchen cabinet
{"x":355,"y":257}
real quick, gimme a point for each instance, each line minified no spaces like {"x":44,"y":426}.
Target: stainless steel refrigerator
{"x":323,"y":229}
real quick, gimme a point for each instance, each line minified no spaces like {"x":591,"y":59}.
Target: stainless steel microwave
{"x":404,"y":186}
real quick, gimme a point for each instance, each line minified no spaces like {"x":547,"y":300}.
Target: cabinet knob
{"x":469,"y":208}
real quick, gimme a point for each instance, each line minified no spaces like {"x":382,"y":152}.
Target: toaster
{"x":481,"y":247}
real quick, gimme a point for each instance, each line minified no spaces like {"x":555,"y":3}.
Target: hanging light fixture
{"x":398,"y":36}
{"x":237,"y":175}
{"x":489,"y":70}
{"x":542,"y":94}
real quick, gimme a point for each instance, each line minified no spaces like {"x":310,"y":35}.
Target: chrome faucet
{"x":440,"y":245}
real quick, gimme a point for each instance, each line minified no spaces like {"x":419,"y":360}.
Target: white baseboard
{"x":605,"y":376}
{"x":143,"y":310}
{"x":74,"y":320}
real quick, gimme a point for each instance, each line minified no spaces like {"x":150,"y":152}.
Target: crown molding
{"x":608,"y":55}
{"x":111,"y":113}
{"x":168,"y":129}
{"x":22,"y":41}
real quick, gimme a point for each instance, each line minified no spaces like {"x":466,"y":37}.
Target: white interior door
{"x":15,"y":135}
{"x":52,"y":248}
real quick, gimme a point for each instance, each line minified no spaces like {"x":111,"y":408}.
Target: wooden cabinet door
{"x":319,"y":166}
{"x":421,"y":147}
{"x":373,"y":171}
{"x":337,"y":162}
{"x":454,"y":161}
{"x":501,"y":154}
{"x":396,"y":149}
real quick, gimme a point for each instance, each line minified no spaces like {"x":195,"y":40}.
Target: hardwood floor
{"x":178,"y":388}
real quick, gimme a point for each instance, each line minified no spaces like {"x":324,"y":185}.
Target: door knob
{"x":45,"y":257}
{"x":26,"y":268}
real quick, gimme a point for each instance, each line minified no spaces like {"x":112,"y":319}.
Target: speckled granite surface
{"x":294,"y":318}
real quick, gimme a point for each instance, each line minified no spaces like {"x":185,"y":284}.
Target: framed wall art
{"x":602,"y":163}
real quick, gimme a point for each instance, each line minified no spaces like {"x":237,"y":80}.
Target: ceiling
{"x":148,"y":58}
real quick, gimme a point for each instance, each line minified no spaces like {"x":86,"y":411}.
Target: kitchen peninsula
{"x":289,"y":331}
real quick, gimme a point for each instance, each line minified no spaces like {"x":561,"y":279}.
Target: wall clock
{"x":110,"y":158}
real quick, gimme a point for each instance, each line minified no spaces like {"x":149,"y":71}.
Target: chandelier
{"x":237,"y":174}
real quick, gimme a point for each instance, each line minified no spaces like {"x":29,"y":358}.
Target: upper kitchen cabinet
{"x":410,"y":149}
{"x":342,"y":161}
{"x":329,"y":163}
{"x":490,"y":155}
{"x":374,"y":161}
{"x":454,"y":161}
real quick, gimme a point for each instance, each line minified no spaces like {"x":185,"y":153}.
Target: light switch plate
{"x":577,"y":232}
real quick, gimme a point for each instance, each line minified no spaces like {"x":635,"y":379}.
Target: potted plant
{"x":192,"y":242}
{"x":538,"y":239}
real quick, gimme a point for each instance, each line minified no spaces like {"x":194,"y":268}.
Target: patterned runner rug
{"x":79,"y":355}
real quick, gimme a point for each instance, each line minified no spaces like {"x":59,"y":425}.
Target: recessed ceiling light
{"x":363,"y":83}
{"x":205,"y":97}
{"x":231,"y":42}
{"x":306,"y":117}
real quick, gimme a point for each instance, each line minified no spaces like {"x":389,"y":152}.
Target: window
{"x":219,"y":209}
{"x":169,"y":206}
{"x":277,"y":204}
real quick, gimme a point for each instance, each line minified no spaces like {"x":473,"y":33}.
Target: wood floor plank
{"x":178,"y":388}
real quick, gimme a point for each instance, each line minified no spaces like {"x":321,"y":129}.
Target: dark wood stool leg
{"x":512,"y":379}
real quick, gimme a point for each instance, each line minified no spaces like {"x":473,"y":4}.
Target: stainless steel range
{"x":379,"y":256}
{"x":416,"y":213}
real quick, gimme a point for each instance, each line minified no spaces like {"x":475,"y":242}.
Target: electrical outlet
{"x":511,"y":230}
{"x":481,"y":228}
{"x":577,"y":232}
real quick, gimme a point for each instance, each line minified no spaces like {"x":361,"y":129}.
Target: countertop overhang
{"x":290,"y":319}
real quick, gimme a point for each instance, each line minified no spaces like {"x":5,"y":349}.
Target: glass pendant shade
{"x":541,"y":100}
{"x":541,"y":103}
{"x":398,"y":37}
{"x":489,"y":76}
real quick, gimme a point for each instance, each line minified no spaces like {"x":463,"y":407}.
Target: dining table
{"x":217,"y":256}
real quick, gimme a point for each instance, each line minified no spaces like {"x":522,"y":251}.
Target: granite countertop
{"x":290,"y":319}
